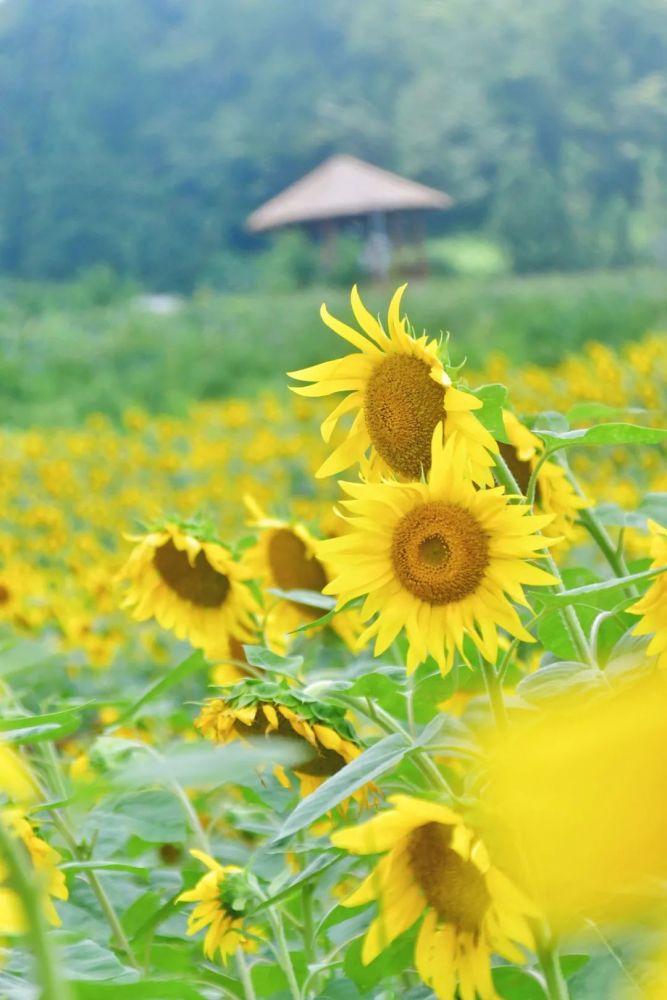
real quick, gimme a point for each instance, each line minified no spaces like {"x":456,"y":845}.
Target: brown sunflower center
{"x":402,"y":407}
{"x":454,"y":887}
{"x":440,"y":552}
{"x":521,"y":470}
{"x":293,"y":568}
{"x":199,"y":583}
{"x":4,"y":594}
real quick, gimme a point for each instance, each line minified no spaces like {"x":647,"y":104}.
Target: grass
{"x":61,"y":358}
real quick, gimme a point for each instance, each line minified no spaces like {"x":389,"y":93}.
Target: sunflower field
{"x":342,"y":698}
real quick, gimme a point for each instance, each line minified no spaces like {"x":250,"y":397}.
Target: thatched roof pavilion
{"x":343,"y":187}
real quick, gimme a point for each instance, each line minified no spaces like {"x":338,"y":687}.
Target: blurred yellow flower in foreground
{"x":44,"y":861}
{"x":579,"y":795}
{"x":437,"y":868}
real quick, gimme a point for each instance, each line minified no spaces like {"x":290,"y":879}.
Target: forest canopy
{"x":140,"y":133}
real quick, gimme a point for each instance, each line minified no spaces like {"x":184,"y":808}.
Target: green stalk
{"x":494,"y":689}
{"x":244,"y":975}
{"x":547,"y":953}
{"x":64,"y":826}
{"x":570,"y":620}
{"x":598,"y":533}
{"x":282,"y":952}
{"x":53,"y":985}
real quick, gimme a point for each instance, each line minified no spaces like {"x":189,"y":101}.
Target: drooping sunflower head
{"x":554,"y":494}
{"x":284,"y":558}
{"x":399,"y":390}
{"x":181,"y":575}
{"x":436,"y":867}
{"x":222,"y":896}
{"x":256,"y":708}
{"x":440,"y":559}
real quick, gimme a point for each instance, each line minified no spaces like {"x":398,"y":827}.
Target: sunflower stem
{"x":570,"y":620}
{"x":614,"y":556}
{"x":494,"y":689}
{"x":547,"y":953}
{"x":64,"y":826}
{"x":282,"y":951}
{"x":244,"y":975}
{"x":53,"y":985}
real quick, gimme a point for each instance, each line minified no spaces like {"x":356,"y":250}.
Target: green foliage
{"x":60,"y":359}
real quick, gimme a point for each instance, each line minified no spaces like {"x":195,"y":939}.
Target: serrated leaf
{"x":494,"y":400}
{"x":378,"y":759}
{"x":265,"y":659}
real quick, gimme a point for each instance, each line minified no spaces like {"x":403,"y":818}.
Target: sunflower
{"x":221,"y":896}
{"x":554,"y":493}
{"x":191,"y":585}
{"x":653,"y":603}
{"x":256,"y":708}
{"x":284,"y":559}
{"x":437,"y":868}
{"x":399,"y":390}
{"x":440,"y":559}
{"x":44,"y":861}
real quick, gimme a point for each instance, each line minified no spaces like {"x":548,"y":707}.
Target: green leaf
{"x":392,"y":961}
{"x":265,"y":659}
{"x":86,"y":960}
{"x":602,"y":434}
{"x":494,"y":399}
{"x":153,"y":989}
{"x":653,"y":506}
{"x":599,"y":411}
{"x":578,"y":595}
{"x":557,"y":678}
{"x":34,"y":728}
{"x":517,"y":984}
{"x":311,"y":598}
{"x":152,"y":815}
{"x":570,"y":964}
{"x":26,"y":655}
{"x":200,"y":765}
{"x":106,"y":866}
{"x":311,"y":871}
{"x":369,"y":765}
{"x":189,"y":666}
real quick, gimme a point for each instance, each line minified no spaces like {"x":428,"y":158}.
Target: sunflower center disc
{"x":439,"y":552}
{"x":4,"y":594}
{"x":454,"y":887}
{"x":200,"y":583}
{"x":402,"y":407}
{"x":293,"y":569}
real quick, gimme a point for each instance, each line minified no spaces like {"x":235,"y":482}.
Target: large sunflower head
{"x":440,"y":559}
{"x":399,"y":391}
{"x":221,"y":895}
{"x":653,"y":603}
{"x":435,"y":867}
{"x":265,"y":708}
{"x":45,"y":861}
{"x":182,"y":576}
{"x":554,"y":494}
{"x":284,"y":558}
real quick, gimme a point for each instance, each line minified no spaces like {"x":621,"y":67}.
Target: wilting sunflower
{"x":284,"y":559}
{"x":45,"y":862}
{"x":221,"y":896}
{"x":190,"y":584}
{"x":256,"y":708}
{"x":554,"y":493}
{"x":440,"y":559}
{"x":654,"y":602}
{"x":399,"y":391}
{"x":437,"y":868}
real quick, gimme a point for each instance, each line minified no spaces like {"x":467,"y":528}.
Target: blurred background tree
{"x":138,"y":134}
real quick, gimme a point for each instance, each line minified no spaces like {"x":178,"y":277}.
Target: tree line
{"x":140,"y":133}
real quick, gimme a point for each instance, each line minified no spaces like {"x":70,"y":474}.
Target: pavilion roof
{"x":344,"y":186}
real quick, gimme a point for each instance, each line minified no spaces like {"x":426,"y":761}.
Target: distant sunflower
{"x":554,"y":493}
{"x":221,"y":896}
{"x":652,"y":606}
{"x":400,"y":391}
{"x":437,"y":868}
{"x":191,"y":585}
{"x":45,"y":861}
{"x":256,"y":708}
{"x":284,"y":558}
{"x":440,"y":559}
